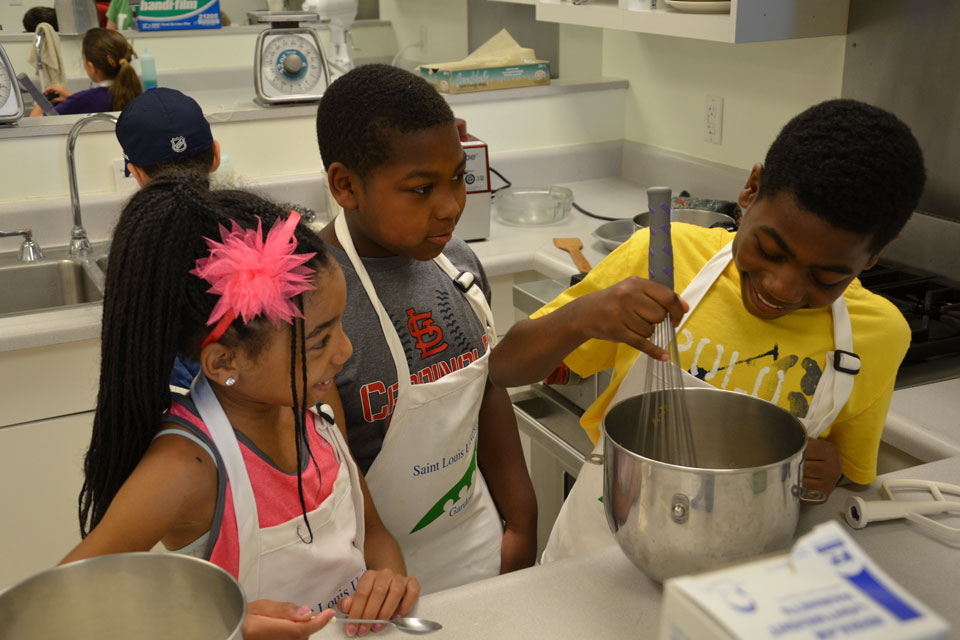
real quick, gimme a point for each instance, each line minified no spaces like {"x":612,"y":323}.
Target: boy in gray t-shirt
{"x":441,"y":453}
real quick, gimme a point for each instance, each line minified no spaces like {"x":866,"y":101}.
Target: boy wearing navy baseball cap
{"x":164,"y":132}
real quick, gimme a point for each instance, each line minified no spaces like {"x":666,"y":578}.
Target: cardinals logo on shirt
{"x":429,"y":336}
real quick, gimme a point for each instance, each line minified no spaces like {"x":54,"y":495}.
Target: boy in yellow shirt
{"x":777,"y":311}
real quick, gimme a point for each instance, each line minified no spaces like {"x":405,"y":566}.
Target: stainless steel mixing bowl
{"x":698,"y":217}
{"x":147,"y":596}
{"x":742,"y":500}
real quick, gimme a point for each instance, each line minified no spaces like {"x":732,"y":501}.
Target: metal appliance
{"x":474,"y":224}
{"x":11,"y":103}
{"x":340,"y":14}
{"x":931,"y":306}
{"x":289,"y":65}
{"x":550,"y":416}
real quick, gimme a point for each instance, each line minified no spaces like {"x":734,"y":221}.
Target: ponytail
{"x":111,"y":53}
{"x":126,"y":85}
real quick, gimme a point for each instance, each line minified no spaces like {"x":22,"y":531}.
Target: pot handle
{"x":810,"y":496}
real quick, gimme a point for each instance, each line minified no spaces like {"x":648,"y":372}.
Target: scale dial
{"x":290,"y":66}
{"x":11,"y":104}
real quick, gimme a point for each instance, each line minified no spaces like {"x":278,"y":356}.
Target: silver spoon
{"x":417,"y":626}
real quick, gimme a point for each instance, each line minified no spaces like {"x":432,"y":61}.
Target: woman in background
{"x":106,"y":59}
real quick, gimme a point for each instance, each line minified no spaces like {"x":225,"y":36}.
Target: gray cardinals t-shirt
{"x":438,"y":329}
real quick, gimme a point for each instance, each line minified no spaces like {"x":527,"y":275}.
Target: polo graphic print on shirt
{"x":763,"y":374}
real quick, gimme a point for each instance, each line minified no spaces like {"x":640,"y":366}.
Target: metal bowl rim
{"x":672,"y":211}
{"x":704,"y":470}
{"x":116,"y":556}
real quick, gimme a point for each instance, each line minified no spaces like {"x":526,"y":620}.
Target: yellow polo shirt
{"x":777,"y":360}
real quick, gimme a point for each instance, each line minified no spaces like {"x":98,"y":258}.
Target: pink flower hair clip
{"x":253,"y":276}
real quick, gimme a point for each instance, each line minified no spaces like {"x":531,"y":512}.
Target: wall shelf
{"x":748,"y":20}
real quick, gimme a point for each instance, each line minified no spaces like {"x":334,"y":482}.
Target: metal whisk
{"x":664,"y":420}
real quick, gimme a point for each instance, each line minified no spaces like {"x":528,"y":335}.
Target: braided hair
{"x":155,"y":310}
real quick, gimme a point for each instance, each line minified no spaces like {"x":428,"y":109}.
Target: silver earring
{"x":230,"y":381}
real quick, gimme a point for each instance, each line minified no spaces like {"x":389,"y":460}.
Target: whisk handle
{"x":661,"y":246}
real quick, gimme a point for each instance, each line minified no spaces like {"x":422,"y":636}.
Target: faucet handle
{"x":29,"y":249}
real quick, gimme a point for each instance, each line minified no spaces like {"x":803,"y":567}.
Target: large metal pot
{"x":147,"y":596}
{"x":698,"y":217}
{"x":743,"y":499}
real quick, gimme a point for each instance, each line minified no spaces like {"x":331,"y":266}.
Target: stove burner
{"x":929,"y":303}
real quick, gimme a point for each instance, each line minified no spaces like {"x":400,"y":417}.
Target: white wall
{"x":763,"y":85}
{"x":287,"y":145}
{"x":444,"y":21}
{"x":11,"y":15}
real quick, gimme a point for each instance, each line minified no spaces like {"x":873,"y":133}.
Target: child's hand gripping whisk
{"x":663,"y":417}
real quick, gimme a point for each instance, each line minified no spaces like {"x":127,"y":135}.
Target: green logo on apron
{"x":452,"y":495}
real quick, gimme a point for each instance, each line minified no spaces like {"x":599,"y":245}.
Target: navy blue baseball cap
{"x":162,"y":125}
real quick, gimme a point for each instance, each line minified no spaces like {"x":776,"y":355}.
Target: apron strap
{"x":386,"y":326}
{"x":704,"y":279}
{"x":471,"y":292}
{"x":244,"y":503}
{"x":467,"y":283}
{"x":324,"y":424}
{"x":836,"y":382}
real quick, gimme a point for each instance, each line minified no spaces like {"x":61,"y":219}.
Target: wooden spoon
{"x":573,"y":246}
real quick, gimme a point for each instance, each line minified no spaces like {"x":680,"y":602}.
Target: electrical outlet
{"x":713,"y":120}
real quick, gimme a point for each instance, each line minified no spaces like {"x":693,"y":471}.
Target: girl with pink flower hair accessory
{"x":245,"y":469}
{"x":253,"y":276}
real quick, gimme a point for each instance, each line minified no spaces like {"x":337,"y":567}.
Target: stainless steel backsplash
{"x":904,"y":56}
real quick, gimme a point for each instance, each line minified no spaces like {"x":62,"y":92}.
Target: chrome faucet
{"x":29,"y":249}
{"x":79,"y":244}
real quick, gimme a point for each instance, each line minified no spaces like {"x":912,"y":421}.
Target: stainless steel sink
{"x":54,"y":282}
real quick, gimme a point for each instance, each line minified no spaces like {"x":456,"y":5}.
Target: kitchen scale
{"x":11,"y":104}
{"x":289,"y":65}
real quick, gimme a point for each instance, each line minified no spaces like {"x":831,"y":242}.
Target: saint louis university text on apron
{"x":275,"y":563}
{"x":425,"y":482}
{"x":581,"y":525}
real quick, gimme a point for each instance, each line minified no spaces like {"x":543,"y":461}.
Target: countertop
{"x":604,"y":595}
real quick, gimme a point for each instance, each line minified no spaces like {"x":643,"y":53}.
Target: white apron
{"x":581,"y":525}
{"x":274,"y":562}
{"x":425,"y":481}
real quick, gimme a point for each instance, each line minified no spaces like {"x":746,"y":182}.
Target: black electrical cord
{"x":499,"y":175}
{"x":575,"y":205}
{"x":593,"y":215}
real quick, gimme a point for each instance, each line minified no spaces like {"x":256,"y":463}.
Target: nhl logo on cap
{"x":162,"y":125}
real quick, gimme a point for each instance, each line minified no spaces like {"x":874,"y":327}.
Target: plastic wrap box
{"x":164,"y":15}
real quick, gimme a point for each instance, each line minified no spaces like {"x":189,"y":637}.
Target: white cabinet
{"x":42,"y":472}
{"x":748,"y":20}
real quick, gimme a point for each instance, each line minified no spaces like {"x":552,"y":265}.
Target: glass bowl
{"x":531,"y":206}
